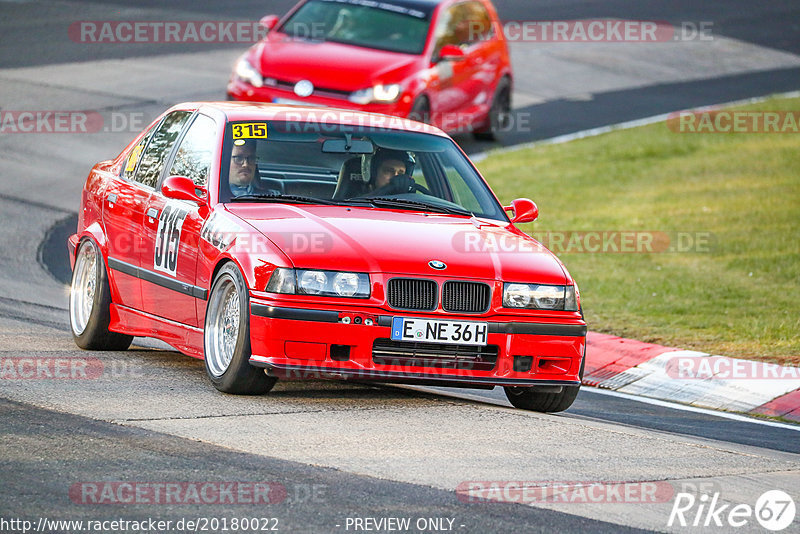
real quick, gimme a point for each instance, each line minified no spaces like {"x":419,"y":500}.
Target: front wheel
{"x":537,"y":401}
{"x":226,"y":337}
{"x":529,"y":399}
{"x":89,"y":303}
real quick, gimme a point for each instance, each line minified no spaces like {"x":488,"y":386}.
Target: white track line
{"x":464,"y":394}
{"x":621,"y":126}
{"x":695,"y":409}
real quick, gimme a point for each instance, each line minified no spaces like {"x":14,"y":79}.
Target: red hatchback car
{"x":276,"y":241}
{"x":444,"y":62}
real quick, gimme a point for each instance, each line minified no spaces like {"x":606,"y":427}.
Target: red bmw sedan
{"x":444,"y":62}
{"x":277,"y":241}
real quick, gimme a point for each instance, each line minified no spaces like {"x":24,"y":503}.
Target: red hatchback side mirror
{"x":524,"y":209}
{"x":182,"y":188}
{"x":451,"y":52}
{"x":269,"y":21}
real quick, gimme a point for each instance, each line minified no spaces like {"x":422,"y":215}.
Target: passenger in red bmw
{"x":241,"y":177}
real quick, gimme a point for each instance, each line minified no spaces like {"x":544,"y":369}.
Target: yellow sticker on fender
{"x":250,"y":130}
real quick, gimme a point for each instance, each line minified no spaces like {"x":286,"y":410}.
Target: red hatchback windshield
{"x":383,"y":26}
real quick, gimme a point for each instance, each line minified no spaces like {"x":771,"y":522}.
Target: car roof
{"x":262,"y":111}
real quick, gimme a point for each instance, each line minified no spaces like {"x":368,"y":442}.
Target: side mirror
{"x":269,"y":21}
{"x":182,"y":188}
{"x":451,"y":52}
{"x":524,"y":209}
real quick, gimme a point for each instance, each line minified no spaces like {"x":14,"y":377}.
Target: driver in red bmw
{"x":390,"y":172}
{"x":243,"y":167}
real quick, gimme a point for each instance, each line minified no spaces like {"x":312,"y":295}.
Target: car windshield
{"x":368,"y":24}
{"x":311,"y":163}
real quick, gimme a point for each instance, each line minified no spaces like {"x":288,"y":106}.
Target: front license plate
{"x":436,"y":331}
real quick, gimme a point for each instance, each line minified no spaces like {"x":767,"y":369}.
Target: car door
{"x":172,"y":230}
{"x":454,"y":80}
{"x":124,"y":203}
{"x":483,"y":57}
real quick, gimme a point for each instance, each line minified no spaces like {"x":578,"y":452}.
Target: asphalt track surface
{"x":347,"y":450}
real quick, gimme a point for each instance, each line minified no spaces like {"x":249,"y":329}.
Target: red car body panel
{"x":294,"y":335}
{"x":459,"y":92}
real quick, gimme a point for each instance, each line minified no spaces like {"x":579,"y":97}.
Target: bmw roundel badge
{"x":438,"y":265}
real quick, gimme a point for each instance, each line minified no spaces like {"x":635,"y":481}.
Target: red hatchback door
{"x":463,"y":88}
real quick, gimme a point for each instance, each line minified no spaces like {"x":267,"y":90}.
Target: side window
{"x":133,"y":157}
{"x":152,"y":160}
{"x":193,"y":158}
{"x":480,"y":22}
{"x":462,"y":25}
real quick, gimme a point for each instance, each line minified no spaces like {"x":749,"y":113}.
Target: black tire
{"x":529,"y":399}
{"x":499,"y":113}
{"x":230,"y":371}
{"x":90,"y":300}
{"x":421,"y":110}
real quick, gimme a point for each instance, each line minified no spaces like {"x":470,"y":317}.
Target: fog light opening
{"x":523,"y":364}
{"x":340,"y":353}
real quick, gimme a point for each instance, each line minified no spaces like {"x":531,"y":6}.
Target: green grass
{"x":741,"y":298}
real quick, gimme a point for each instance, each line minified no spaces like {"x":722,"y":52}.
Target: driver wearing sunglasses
{"x":241,"y":177}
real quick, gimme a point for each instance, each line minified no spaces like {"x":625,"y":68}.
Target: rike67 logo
{"x":774,"y":510}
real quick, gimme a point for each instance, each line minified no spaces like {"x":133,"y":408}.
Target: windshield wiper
{"x":388,"y":202}
{"x":291,"y":199}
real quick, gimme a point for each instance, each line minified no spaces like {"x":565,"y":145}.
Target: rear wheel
{"x":538,"y":401}
{"x":499,"y":114}
{"x":226,"y":337}
{"x":89,"y":302}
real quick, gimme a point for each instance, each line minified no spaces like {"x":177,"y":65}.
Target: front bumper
{"x":340,"y":343}
{"x":238,"y":90}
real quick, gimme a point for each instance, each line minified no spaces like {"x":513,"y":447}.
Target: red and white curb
{"x":690,"y":377}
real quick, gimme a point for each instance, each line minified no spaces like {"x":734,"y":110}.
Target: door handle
{"x":112,"y":198}
{"x":152,"y":213}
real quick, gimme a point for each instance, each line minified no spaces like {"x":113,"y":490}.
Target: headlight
{"x":282,"y":281}
{"x":378,"y":93}
{"x":248,"y":73}
{"x":539,"y":297}
{"x":386,"y":93}
{"x":346,"y":284}
{"x":312,"y":282}
{"x":323,"y":283}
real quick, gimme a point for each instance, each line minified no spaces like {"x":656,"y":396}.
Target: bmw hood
{"x":401,"y":242}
